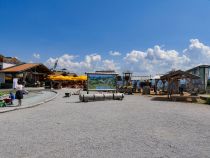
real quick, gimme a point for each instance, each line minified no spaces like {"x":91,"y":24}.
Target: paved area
{"x":133,"y":128}
{"x":31,"y":99}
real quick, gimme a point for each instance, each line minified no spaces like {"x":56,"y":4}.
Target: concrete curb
{"x":33,"y":105}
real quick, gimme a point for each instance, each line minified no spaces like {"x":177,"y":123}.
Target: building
{"x":203,"y":71}
{"x":6,"y":62}
{"x":31,"y":73}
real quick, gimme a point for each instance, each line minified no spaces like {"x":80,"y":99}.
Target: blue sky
{"x":80,"y":28}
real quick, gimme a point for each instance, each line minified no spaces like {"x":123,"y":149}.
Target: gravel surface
{"x":132,"y":128}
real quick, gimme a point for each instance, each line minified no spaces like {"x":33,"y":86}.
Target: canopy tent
{"x":67,"y":78}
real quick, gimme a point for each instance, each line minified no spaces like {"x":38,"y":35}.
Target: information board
{"x":101,"y":82}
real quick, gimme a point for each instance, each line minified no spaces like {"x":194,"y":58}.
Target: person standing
{"x":12,"y":97}
{"x":181,"y":86}
{"x":171,"y":87}
{"x":19,"y":93}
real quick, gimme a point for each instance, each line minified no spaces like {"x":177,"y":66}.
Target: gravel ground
{"x":132,"y":128}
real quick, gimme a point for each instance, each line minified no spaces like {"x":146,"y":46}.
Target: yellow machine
{"x":127,"y":87}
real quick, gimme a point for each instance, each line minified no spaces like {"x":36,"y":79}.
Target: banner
{"x":103,"y":82}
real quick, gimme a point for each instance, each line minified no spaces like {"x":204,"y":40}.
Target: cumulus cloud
{"x":90,"y":63}
{"x":110,"y":65}
{"x":36,"y":55}
{"x":156,"y":60}
{"x":198,"y":53}
{"x":114,"y":53}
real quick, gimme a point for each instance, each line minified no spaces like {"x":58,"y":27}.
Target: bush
{"x":6,"y":85}
{"x":208,"y":101}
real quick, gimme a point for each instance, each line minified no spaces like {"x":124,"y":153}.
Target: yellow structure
{"x":67,"y":78}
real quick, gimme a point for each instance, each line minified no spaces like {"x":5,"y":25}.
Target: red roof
{"x":23,"y":67}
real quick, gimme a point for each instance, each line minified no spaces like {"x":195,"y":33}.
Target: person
{"x":171,"y":87}
{"x":12,"y":97}
{"x":19,"y":93}
{"x":155,"y":89}
{"x":181,"y":86}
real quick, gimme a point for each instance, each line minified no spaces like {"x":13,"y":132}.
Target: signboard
{"x":101,"y":82}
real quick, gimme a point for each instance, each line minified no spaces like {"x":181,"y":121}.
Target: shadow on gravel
{"x":75,"y":102}
{"x":176,"y":99}
{"x":160,"y":99}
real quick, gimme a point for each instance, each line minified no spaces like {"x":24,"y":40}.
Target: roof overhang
{"x":178,"y":75}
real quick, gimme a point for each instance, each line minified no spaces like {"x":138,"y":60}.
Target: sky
{"x":143,"y":36}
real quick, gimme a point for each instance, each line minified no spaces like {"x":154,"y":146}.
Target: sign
{"x":101,"y":82}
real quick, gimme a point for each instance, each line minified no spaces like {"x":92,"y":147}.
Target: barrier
{"x":100,"y":97}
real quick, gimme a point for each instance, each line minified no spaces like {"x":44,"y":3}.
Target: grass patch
{"x":6,"y":92}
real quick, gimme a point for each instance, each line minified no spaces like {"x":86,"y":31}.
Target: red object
{"x":7,"y":100}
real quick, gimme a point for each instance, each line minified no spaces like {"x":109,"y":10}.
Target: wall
{"x":6,"y":65}
{"x":200,"y":71}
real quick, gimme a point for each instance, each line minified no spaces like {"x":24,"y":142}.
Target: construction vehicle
{"x":127,"y":87}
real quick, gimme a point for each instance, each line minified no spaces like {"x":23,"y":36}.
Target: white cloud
{"x":114,"y":53}
{"x":90,"y":63}
{"x":109,"y":65}
{"x":135,"y":56}
{"x":36,"y":55}
{"x":152,"y":61}
{"x":198,"y":53}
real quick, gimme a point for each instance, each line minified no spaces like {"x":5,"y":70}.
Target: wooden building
{"x":175,"y":76}
{"x":6,"y":62}
{"x":31,"y":73}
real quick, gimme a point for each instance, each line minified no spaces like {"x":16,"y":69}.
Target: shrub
{"x":6,"y":85}
{"x":208,"y":101}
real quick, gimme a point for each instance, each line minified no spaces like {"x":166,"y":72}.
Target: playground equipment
{"x":100,"y":97}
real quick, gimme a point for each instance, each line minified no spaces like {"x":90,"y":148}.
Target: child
{"x":12,"y":97}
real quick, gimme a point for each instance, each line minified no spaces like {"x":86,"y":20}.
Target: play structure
{"x":173,"y":78}
{"x":100,"y":97}
{"x":102,"y":86}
